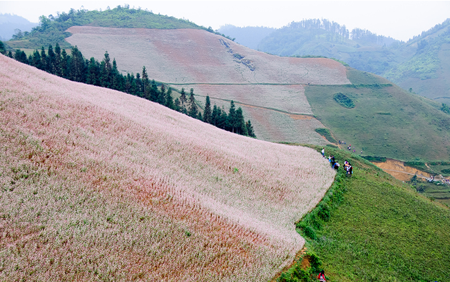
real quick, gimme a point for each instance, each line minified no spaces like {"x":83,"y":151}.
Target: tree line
{"x":105,"y":74}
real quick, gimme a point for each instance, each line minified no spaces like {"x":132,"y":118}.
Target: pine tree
{"x":183,"y":98}
{"x":215,"y":115}
{"x":193,"y":110}
{"x":20,"y":56}
{"x":231,"y":120}
{"x":2,"y":48}
{"x":10,"y":54}
{"x":169,"y":100}
{"x":58,"y":70}
{"x":114,"y":75}
{"x":93,"y":72}
{"x":177,"y":105}
{"x":36,"y":60}
{"x":250,"y":130}
{"x":162,"y":95}
{"x":77,"y":66}
{"x":51,"y":60}
{"x":222,"y":119}
{"x":207,"y":112}
{"x":105,"y":71}
{"x":145,"y":84}
{"x":65,"y":64}
{"x":241,"y":127}
{"x":154,"y":93}
{"x":139,"y":85}
{"x":44,"y":65}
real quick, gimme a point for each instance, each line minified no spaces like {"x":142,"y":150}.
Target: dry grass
{"x":196,"y":56}
{"x":100,"y":185}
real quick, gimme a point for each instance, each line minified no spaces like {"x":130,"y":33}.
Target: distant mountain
{"x":359,"y":48}
{"x":427,"y":68}
{"x":249,"y":36}
{"x":9,"y":24}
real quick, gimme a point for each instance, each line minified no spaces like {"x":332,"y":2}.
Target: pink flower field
{"x":96,"y":184}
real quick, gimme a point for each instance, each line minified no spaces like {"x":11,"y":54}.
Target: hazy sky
{"x":398,"y":19}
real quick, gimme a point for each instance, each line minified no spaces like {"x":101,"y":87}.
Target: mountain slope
{"x":96,"y":183}
{"x":224,"y":70}
{"x":420,"y":64}
{"x":271,"y":90}
{"x":385,"y":120}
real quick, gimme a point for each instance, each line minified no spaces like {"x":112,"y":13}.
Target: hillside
{"x":225,"y":71}
{"x":427,"y":71}
{"x":385,"y":120}
{"x":372,"y":227}
{"x":52,"y":30}
{"x":287,"y":99}
{"x":420,"y":64}
{"x":99,"y":184}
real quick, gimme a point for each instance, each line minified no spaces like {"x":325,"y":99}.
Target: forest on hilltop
{"x":52,"y":28}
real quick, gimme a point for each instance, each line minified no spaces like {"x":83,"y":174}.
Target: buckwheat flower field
{"x":100,"y":185}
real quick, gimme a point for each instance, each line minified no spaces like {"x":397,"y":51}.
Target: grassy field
{"x":385,"y":121}
{"x":372,"y":227}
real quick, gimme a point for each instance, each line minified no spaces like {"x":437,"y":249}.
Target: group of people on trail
{"x":335,"y":165}
{"x":348,"y":168}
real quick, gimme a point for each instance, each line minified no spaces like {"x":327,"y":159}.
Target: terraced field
{"x":220,"y":68}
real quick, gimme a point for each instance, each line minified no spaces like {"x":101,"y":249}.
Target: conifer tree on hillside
{"x":44,"y":66}
{"x":193,"y":110}
{"x":139,"y":86}
{"x":77,"y":66}
{"x":51,"y":60}
{"x":250,"y":130}
{"x":154,"y":93}
{"x":183,"y":100}
{"x":241,"y":128}
{"x":65,"y":64}
{"x":93,"y":72}
{"x":177,"y":105}
{"x":145,"y":84}
{"x":214,"y":116}
{"x":162,"y":95}
{"x":221,"y":118}
{"x":2,"y":48}
{"x":105,"y":71}
{"x":21,"y":56}
{"x":231,"y":120}
{"x":114,"y":76}
{"x":169,"y":99}
{"x":58,"y":70}
{"x":207,"y":112}
{"x":36,"y":60}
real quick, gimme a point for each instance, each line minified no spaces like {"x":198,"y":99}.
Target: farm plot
{"x":98,"y":184}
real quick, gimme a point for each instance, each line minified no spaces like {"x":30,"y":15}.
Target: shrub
{"x":344,"y":100}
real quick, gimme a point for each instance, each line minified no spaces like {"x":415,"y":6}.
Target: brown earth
{"x":398,"y":170}
{"x":220,"y":68}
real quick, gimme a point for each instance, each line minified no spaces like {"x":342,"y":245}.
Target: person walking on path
{"x":323,"y":152}
{"x":321,"y":276}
